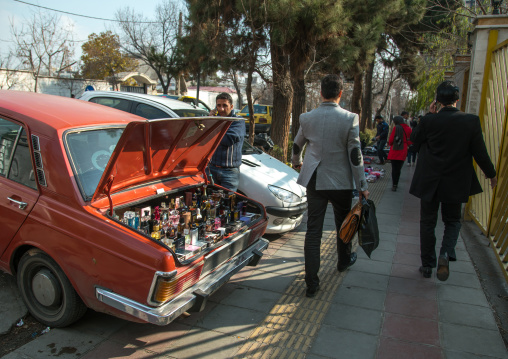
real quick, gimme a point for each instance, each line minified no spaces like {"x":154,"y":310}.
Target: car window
{"x":257,"y":109}
{"x":89,"y":154}
{"x":248,"y":149}
{"x":21,"y":170}
{"x":8,"y":133}
{"x":196,"y":112}
{"x":118,"y":103}
{"x":15,"y":158}
{"x":150,"y":112}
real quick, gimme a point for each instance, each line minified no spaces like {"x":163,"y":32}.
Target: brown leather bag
{"x":351,"y":223}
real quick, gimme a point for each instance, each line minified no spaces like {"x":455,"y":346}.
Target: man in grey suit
{"x":332,"y":168}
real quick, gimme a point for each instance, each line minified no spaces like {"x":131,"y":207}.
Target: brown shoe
{"x":443,"y":269}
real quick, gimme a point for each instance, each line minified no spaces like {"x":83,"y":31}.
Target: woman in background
{"x":399,"y":142}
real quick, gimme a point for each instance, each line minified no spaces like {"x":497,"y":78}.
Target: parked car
{"x":90,"y":197}
{"x":273,"y":183}
{"x":147,"y":106}
{"x":262,"y":118}
{"x":261,"y":176}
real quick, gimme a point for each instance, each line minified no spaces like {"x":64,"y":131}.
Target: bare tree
{"x":43,"y":44}
{"x":9,"y":76}
{"x":154,"y":42}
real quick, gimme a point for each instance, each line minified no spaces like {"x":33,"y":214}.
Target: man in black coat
{"x":448,"y":141}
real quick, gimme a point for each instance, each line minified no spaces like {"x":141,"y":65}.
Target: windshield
{"x":191,"y":112}
{"x":89,"y":153}
{"x":248,"y":149}
{"x":257,"y":109}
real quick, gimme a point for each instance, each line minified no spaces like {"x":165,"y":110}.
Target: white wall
{"x":24,"y":81}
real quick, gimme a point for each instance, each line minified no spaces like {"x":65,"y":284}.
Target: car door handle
{"x":21,"y":205}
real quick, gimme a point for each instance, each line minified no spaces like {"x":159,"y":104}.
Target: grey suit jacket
{"x":332,"y":137}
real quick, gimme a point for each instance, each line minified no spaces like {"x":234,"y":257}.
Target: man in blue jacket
{"x":381,"y":138}
{"x":225,"y":163}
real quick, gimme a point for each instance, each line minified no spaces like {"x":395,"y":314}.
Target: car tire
{"x":46,"y":290}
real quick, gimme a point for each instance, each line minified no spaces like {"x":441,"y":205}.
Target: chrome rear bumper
{"x":193,"y":299}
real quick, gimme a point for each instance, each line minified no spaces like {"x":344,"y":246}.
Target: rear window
{"x":89,"y":154}
{"x":190,"y":112}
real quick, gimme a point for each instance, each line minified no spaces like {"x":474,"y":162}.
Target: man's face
{"x":379,"y":120}
{"x":406,"y":116}
{"x":224,"y":108}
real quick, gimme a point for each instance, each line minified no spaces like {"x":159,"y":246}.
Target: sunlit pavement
{"x":380,"y":308}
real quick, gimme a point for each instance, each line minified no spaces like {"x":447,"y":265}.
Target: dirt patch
{"x":19,"y":336}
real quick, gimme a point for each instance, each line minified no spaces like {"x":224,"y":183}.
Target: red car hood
{"x":153,"y":149}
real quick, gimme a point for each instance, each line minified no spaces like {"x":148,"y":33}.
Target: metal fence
{"x":490,"y":209}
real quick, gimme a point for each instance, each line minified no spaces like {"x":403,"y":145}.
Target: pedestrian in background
{"x":332,"y":168}
{"x":381,"y":138}
{"x":225,"y":163}
{"x":445,"y":176}
{"x":405,"y":115}
{"x":399,"y":142}
{"x":412,"y":150}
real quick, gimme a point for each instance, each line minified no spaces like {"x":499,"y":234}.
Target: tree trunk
{"x":366,"y":120}
{"x":297,"y":68}
{"x":356,"y":99}
{"x":282,"y":101}
{"x":237,"y":88}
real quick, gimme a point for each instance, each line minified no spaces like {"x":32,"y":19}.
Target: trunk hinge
{"x":107,"y":190}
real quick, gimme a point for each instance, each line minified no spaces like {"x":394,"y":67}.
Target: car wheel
{"x":46,"y":291}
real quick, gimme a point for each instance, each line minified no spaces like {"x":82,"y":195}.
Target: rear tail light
{"x":165,"y":286}
{"x":263,"y":120}
{"x":168,"y":284}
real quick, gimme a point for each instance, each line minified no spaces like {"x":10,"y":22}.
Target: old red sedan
{"x":106,"y":210}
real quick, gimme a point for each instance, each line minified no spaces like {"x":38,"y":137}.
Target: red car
{"x":106,"y":210}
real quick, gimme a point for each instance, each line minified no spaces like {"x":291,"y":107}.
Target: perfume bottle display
{"x":189,"y":222}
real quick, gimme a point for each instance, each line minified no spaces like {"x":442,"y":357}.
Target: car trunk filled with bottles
{"x":194,"y":221}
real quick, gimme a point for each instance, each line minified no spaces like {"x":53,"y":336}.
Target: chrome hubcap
{"x":45,"y":288}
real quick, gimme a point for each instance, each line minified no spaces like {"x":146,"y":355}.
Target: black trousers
{"x":450,"y":214}
{"x":396,"y":168}
{"x":317,"y":202}
{"x":381,"y":154}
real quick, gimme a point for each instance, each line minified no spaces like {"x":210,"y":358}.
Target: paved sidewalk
{"x":386,"y":309}
{"x":380,"y":308}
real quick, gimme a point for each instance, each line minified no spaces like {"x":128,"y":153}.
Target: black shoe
{"x":443,"y":269}
{"x":394,"y":188}
{"x":352,"y":261}
{"x":311,"y":292}
{"x":426,"y":272}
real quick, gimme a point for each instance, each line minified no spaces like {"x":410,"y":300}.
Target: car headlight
{"x":284,"y":195}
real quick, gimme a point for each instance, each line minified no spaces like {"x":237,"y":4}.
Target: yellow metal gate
{"x":490,"y":209}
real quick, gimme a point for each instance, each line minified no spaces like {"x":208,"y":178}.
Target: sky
{"x":105,"y":9}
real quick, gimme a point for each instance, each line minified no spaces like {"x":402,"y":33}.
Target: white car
{"x":262,"y":177}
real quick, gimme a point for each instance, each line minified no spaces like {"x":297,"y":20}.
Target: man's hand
{"x":493,"y":182}
{"x":297,"y":167}
{"x":433,"y":107}
{"x":364,"y":194}
{"x":213,"y":112}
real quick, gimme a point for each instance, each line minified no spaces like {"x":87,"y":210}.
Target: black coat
{"x":448,"y":142}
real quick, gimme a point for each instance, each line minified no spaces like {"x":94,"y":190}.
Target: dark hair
{"x":224,"y":96}
{"x":447,"y":93}
{"x":331,"y":86}
{"x":398,"y":120}
{"x":404,"y":113}
{"x":378,"y":116}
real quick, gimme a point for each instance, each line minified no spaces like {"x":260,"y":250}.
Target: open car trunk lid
{"x":163,"y":148}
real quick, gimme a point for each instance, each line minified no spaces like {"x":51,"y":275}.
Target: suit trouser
{"x":450,"y":214}
{"x":317,"y":202}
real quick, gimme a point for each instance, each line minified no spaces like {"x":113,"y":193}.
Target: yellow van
{"x":262,"y":117}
